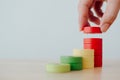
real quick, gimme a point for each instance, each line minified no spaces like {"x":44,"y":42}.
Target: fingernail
{"x":105,"y":27}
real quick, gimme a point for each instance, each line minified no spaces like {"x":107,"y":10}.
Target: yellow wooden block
{"x":88,"y":65}
{"x":88,"y":62}
{"x":87,"y":56}
{"x":83,"y":52}
{"x":87,"y":52}
{"x":76,"y":52}
{"x":87,"y":59}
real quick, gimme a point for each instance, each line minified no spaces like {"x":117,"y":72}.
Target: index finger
{"x":84,"y":6}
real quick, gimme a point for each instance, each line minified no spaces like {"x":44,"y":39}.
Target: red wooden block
{"x":97,"y":61}
{"x":93,"y":40}
{"x":97,"y":58}
{"x":98,"y":64}
{"x":93,"y":46}
{"x":92,"y":30}
{"x":97,"y":52}
{"x":97,"y":48}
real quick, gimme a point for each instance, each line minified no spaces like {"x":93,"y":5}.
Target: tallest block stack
{"x":94,"y":43}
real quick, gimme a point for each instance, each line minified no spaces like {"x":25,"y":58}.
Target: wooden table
{"x":35,"y":70}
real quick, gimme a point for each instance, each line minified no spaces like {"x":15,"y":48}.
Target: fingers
{"x":84,"y":6}
{"x":110,"y":14}
{"x":93,"y":18}
{"x":97,"y":8}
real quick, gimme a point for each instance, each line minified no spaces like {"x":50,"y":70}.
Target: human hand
{"x":107,"y":18}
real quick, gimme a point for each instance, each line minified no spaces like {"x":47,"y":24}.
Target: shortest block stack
{"x":57,"y":68}
{"x":87,"y":55}
{"x":75,"y":62}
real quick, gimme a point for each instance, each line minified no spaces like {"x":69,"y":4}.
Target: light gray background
{"x":37,"y":29}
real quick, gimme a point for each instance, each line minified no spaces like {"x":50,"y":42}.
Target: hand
{"x":107,"y":18}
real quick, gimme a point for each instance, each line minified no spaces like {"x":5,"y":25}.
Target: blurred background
{"x":47,"y":29}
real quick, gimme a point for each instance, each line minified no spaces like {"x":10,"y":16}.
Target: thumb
{"x":110,"y":14}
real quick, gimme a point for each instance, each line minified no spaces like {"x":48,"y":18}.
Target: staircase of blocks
{"x":87,"y":58}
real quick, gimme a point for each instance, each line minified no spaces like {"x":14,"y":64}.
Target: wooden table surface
{"x":35,"y":70}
